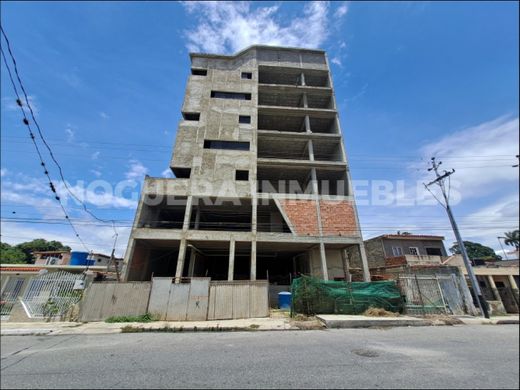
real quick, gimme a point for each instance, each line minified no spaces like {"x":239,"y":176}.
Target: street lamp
{"x":500,"y":242}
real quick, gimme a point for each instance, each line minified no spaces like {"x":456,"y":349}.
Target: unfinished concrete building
{"x":262,"y":188}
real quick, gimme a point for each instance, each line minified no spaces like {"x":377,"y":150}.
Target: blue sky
{"x":412,"y":80}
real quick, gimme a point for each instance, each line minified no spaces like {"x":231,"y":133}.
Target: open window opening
{"x":191,"y":116}
{"x":182,"y":172}
{"x":326,"y":150}
{"x":332,"y":182}
{"x":227,"y":145}
{"x":324,"y":125}
{"x":324,"y":101}
{"x":241,"y":175}
{"x":218,"y":214}
{"x":168,"y":214}
{"x":230,"y":95}
{"x":153,"y":258}
{"x":199,"y":72}
{"x":285,"y":99}
{"x":284,"y":180}
{"x":282,"y":148}
{"x":316,"y":78}
{"x":280,"y":262}
{"x":294,"y":123}
{"x":246,"y":75}
{"x":245,"y":119}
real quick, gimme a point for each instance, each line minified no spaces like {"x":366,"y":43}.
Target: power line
{"x":42,"y":163}
{"x":26,"y":122}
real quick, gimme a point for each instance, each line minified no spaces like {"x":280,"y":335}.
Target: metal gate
{"x":52,"y":294}
{"x":422,"y":294}
{"x":12,"y":290}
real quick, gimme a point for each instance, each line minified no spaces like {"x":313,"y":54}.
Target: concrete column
{"x":253,"y":260}
{"x":514,"y":288}
{"x":305,"y":102}
{"x":307,"y":124}
{"x":346,"y":265}
{"x":324,"y":269}
{"x":231,"y":267}
{"x":311,"y":150}
{"x":494,"y":289}
{"x":512,"y":282}
{"x":187,"y":214}
{"x":180,"y":261}
{"x":191,"y":266}
{"x":364,"y":262}
{"x":197,"y":219}
{"x":302,"y":75}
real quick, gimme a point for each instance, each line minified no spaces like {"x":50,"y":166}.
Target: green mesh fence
{"x":314,"y":296}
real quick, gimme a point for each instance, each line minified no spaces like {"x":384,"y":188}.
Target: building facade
{"x":405,"y":249}
{"x":262,"y":187}
{"x":51,"y":257}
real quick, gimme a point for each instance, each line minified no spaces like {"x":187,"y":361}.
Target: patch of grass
{"x":254,"y":326}
{"x":168,"y":329}
{"x":379,"y":312}
{"x":142,"y":318}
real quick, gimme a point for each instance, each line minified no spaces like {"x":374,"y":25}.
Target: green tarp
{"x":314,"y":296}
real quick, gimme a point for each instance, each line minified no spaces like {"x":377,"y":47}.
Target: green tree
{"x":40,"y":244}
{"x":11,"y":255}
{"x":513,"y":239}
{"x":476,"y":251}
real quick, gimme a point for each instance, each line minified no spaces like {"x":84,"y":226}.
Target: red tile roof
{"x":411,"y":237}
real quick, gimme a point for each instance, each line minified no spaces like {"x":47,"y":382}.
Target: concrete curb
{"x":346,"y":321}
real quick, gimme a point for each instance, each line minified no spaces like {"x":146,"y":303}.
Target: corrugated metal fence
{"x":194,"y":299}
{"x":238,"y":299}
{"x":107,"y":299}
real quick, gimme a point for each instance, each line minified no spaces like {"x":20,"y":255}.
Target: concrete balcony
{"x":413,"y":260}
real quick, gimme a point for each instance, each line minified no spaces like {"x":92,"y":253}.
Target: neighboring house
{"x":498,"y":281}
{"x":99,"y":259}
{"x":51,"y":257}
{"x":405,"y":249}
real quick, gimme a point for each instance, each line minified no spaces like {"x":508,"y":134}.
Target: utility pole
{"x":482,"y":304}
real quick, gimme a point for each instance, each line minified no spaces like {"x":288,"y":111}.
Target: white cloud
{"x":3,"y":172}
{"x":491,"y":221}
{"x":336,"y":61}
{"x":70,"y":134}
{"x":341,"y":11}
{"x":95,"y":155}
{"x":104,"y":115}
{"x":137,"y":170}
{"x":96,"y":172}
{"x":227,"y":27}
{"x":481,"y":155}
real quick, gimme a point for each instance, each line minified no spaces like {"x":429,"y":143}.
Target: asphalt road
{"x":482,"y":356}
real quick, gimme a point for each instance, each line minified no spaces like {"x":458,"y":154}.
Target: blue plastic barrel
{"x":79,"y":258}
{"x":284,"y":300}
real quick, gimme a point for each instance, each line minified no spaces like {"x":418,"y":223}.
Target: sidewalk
{"x":71,"y":328}
{"x":250,"y":324}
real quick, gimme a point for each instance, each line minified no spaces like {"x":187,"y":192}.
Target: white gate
{"x":52,"y":294}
